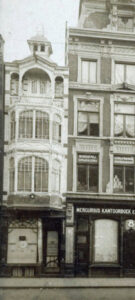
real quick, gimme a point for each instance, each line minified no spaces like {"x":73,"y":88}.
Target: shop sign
{"x":87,"y":158}
{"x":124,"y":160}
{"x":99,"y":210}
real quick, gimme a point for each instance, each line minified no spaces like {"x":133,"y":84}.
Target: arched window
{"x":57,"y":128}
{"x":42,"y":125}
{"x":106,"y":241}
{"x":59,"y":87}
{"x":36,"y":82}
{"x":26,"y":124}
{"x":14,"y":85}
{"x":25,"y":174}
{"x":40,"y":175}
{"x":56,"y":176}
{"x":33,"y":174}
{"x":13,"y":126}
{"x":11,"y":174}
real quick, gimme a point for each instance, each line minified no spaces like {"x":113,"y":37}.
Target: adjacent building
{"x":1,"y":138}
{"x":35,"y":162}
{"x":100,"y":213}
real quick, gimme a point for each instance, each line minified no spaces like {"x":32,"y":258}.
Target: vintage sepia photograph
{"x":67,"y":149}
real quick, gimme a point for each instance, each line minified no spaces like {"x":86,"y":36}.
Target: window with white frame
{"x":105,"y":241}
{"x":125,"y":23}
{"x":36,"y":82}
{"x":33,"y":174}
{"x":124,"y":174}
{"x":124,"y":72}
{"x":88,"y":118}
{"x":87,"y":172}
{"x":124,"y":120}
{"x":41,"y":123}
{"x":12,"y":125}
{"x":56,"y":176}
{"x":26,"y":124}
{"x":11,"y":174}
{"x":57,"y":128}
{"x":88,"y":71}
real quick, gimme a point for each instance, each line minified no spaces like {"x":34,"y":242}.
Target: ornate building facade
{"x":35,"y":163}
{"x":100,"y":214}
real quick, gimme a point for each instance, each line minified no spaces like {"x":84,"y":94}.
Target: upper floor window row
{"x":36,"y":82}
{"x":35,"y":124}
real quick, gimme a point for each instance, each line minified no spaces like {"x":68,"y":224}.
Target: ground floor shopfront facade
{"x":33,"y":243}
{"x":102,"y":238}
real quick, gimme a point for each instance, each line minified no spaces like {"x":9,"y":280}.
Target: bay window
{"x":41,"y":123}
{"x":124,"y":174}
{"x":105,"y":241}
{"x":124,"y":73}
{"x":124,"y":120}
{"x":87,"y":172}
{"x":88,"y":71}
{"x":33,"y":174}
{"x":88,"y":118}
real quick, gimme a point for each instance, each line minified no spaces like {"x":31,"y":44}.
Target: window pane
{"x":12,"y":175}
{"x":93,"y":178}
{"x":42,"y":125}
{"x":40,"y":175}
{"x":34,"y":86}
{"x":82,"y":183}
{"x":13,"y":125}
{"x":130,"y":74}
{"x":92,"y":72}
{"x":85,"y":71}
{"x":118,"y":181}
{"x":119,"y":73}
{"x":129,"y":179}
{"x":118,"y":125}
{"x":25,"y":174}
{"x":82,"y":123}
{"x":94,"y":124}
{"x":26,"y":124}
{"x":106,"y":241}
{"x":130,"y":126}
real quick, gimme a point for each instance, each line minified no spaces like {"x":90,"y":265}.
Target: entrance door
{"x":51,"y":245}
{"x":82,"y":247}
{"x":129,"y":249}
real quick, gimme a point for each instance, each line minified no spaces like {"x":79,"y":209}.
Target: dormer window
{"x":42,"y":48}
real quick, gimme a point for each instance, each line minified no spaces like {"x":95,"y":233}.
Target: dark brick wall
{"x":73,"y":67}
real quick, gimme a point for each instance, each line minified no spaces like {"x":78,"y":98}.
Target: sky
{"x":21,"y":19}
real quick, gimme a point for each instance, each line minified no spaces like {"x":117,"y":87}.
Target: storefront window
{"x":124,"y":174}
{"x":87,"y":172}
{"x":106,"y":241}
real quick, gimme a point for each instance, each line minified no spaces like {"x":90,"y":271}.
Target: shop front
{"x":104,"y":240}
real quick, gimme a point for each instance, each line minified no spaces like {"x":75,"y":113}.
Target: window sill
{"x":105,"y":265}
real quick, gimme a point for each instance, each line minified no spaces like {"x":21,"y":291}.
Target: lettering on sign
{"x":114,"y":211}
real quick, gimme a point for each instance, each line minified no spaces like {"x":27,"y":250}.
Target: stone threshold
{"x":67,"y":283}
